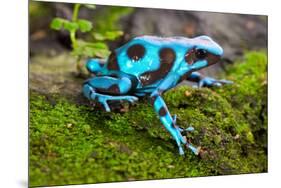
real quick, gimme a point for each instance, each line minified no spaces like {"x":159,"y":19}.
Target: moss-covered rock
{"x":72,"y":143}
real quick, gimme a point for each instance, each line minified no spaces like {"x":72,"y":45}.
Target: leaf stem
{"x":74,"y":19}
{"x":75,"y":12}
{"x":73,"y":39}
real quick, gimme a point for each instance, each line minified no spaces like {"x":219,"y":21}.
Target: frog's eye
{"x":200,"y":54}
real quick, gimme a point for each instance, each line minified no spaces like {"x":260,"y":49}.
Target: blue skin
{"x":134,"y":72}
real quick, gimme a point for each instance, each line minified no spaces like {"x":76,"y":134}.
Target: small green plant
{"x":96,"y":45}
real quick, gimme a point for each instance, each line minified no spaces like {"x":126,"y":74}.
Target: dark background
{"x":236,"y":33}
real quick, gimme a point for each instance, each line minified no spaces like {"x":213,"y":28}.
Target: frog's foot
{"x":103,"y":99}
{"x":210,"y":82}
{"x":195,"y":150}
{"x":180,"y":129}
{"x":170,"y":123}
{"x":180,"y":139}
{"x":183,"y":140}
{"x":188,"y":129}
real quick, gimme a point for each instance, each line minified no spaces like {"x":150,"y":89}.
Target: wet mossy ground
{"x":75,"y":143}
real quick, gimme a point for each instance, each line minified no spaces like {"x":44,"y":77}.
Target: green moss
{"x":73,"y":144}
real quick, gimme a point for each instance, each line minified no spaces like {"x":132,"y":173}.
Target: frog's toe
{"x":106,"y":107}
{"x":132,"y":99}
{"x":181,"y":152}
{"x":195,"y":150}
{"x":223,"y":81}
{"x":178,"y":128}
{"x":207,"y":81}
{"x":211,"y":82}
{"x":103,"y":100}
{"x":189,"y":129}
{"x":217,"y":84}
{"x":185,"y":142}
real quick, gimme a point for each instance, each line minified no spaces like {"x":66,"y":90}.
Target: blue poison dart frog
{"x":149,"y":66}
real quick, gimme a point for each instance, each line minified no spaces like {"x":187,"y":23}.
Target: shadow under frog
{"x":149,"y":66}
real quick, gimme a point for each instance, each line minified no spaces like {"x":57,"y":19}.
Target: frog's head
{"x":204,"y":52}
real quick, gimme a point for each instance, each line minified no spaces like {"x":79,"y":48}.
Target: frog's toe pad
{"x":131,"y":99}
{"x":195,"y":150}
{"x":226,"y":81}
{"x":189,"y":129}
{"x":181,"y":152}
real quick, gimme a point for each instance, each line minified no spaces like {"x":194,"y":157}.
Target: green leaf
{"x":112,"y":35}
{"x":88,"y":49}
{"x":90,"y":6}
{"x":108,"y":35}
{"x":99,"y":36}
{"x":57,"y":23}
{"x":85,"y":25}
{"x":70,"y":26}
{"x":102,"y":53}
{"x":98,"y":45}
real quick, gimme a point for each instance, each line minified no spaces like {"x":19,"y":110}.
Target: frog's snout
{"x":213,"y":51}
{"x":215,"y":54}
{"x":213,"y":59}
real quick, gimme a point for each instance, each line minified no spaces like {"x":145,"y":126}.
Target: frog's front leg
{"x":106,"y":88}
{"x":206,"y":81}
{"x":166,"y":118}
{"x":95,"y":65}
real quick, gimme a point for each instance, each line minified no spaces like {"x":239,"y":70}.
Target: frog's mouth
{"x":210,"y":59}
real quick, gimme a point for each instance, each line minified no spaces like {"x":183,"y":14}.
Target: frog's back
{"x":149,"y":58}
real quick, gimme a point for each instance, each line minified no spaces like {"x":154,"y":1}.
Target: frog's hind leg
{"x":169,"y":123}
{"x":188,"y":129}
{"x":106,"y":88}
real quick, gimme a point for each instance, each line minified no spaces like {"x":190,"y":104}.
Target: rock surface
{"x":235,"y":32}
